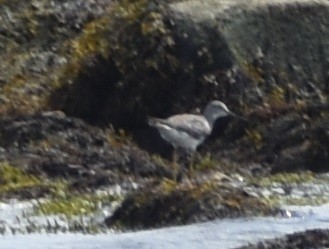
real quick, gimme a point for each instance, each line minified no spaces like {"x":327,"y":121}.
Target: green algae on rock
{"x":13,"y":179}
{"x":283,"y":178}
{"x":75,"y":204}
{"x":16,"y":182}
{"x":301,"y":188}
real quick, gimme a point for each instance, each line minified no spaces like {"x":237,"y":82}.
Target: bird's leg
{"x":192,"y":159}
{"x":175,"y":162}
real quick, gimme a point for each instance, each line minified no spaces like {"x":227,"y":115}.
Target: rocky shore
{"x":308,"y":239}
{"x":78,"y":80}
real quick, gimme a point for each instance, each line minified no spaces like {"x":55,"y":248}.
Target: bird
{"x":188,"y":131}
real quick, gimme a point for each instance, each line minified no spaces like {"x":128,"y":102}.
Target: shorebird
{"x":188,"y":131}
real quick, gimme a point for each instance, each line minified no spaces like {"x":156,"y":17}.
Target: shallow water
{"x":228,"y":233}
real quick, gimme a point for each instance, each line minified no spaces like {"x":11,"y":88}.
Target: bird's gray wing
{"x":194,"y":125}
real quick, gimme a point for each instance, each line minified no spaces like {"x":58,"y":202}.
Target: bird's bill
{"x":237,"y":116}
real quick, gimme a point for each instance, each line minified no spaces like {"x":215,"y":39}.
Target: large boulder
{"x":172,"y":203}
{"x":35,"y":40}
{"x":267,"y":60}
{"x":120,"y":62}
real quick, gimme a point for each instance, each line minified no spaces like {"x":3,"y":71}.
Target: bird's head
{"x":217,"y":109}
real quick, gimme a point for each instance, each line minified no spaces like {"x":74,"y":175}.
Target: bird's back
{"x":195,"y":125}
{"x":183,"y":130}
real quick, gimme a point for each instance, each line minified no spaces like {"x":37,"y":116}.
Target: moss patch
{"x":92,"y":42}
{"x":206,"y":163}
{"x":276,"y":96}
{"x":16,"y":182}
{"x":283,"y":178}
{"x":254,"y":72}
{"x":255,"y":137}
{"x":298,"y":201}
{"x":13,"y":179}
{"x":304,"y":188}
{"x":75,"y":205}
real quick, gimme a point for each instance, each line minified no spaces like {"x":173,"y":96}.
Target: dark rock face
{"x":282,"y":60}
{"x":309,"y":239}
{"x":54,"y":145}
{"x":167,"y":58}
{"x":131,"y":59}
{"x":34,"y":47}
{"x":284,"y":67}
{"x":179,"y":204}
{"x":278,"y":34}
{"x":298,"y":142}
{"x":160,"y":66}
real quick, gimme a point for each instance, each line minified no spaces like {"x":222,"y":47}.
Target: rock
{"x":172,"y":203}
{"x":309,"y":239}
{"x":124,"y":61}
{"x":54,"y":145}
{"x":35,"y":36}
{"x":168,"y":57}
{"x":113,"y":63}
{"x":303,"y":144}
{"x":284,"y":74}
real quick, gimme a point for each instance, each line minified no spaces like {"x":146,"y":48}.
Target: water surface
{"x":227,"y":233}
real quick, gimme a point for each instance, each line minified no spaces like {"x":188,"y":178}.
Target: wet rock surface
{"x":309,"y":239}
